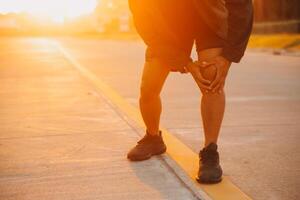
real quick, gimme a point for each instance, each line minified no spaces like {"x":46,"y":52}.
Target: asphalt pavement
{"x":60,"y":138}
{"x":260,"y":133}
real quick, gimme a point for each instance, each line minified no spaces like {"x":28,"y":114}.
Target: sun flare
{"x":57,"y":10}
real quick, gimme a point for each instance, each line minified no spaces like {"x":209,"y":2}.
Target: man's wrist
{"x":189,"y":66}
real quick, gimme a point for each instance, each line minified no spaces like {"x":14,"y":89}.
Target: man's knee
{"x":209,"y":72}
{"x":208,"y":55}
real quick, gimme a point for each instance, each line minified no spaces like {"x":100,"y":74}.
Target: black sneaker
{"x":148,"y":146}
{"x":210,"y":170}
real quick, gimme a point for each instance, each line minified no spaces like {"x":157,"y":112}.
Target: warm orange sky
{"x":57,"y":10}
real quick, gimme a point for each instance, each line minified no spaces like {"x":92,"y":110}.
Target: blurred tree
{"x":276,"y":10}
{"x":274,"y":16}
{"x":113,"y":15}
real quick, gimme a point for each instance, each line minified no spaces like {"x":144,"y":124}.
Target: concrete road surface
{"x":61,"y":140}
{"x":259,"y":143}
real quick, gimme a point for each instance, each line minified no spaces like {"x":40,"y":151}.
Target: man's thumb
{"x":204,"y":63}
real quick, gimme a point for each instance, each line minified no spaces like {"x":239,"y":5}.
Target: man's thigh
{"x":154,"y":75}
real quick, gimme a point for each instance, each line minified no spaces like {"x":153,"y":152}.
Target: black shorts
{"x":206,"y":38}
{"x":176,"y":59}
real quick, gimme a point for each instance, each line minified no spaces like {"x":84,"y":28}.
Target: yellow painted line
{"x":179,"y":152}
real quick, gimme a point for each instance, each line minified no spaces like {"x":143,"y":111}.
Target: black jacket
{"x":168,"y":26}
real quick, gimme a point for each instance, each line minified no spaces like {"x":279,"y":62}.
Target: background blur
{"x":113,"y":16}
{"x":60,"y":138}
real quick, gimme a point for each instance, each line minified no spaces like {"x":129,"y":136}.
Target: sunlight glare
{"x":57,"y":10}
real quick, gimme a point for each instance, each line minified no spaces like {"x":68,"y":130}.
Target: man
{"x":169,"y":28}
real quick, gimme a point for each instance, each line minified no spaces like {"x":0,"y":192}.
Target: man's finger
{"x":197,"y":75}
{"x":218,"y":87}
{"x":217,"y":79}
{"x":201,"y":79}
{"x":204,"y":64}
{"x":202,"y":86}
{"x":199,"y":83}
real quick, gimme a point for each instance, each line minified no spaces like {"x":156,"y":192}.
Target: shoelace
{"x":208,"y":157}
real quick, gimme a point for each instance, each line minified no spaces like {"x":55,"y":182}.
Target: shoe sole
{"x":148,"y":156}
{"x":209,"y":181}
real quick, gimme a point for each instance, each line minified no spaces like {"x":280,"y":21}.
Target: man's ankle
{"x":209,"y":142}
{"x":152,"y":133}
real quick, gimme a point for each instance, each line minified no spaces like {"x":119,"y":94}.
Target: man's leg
{"x":212,"y":110}
{"x":153,"y":78}
{"x":212,"y":104}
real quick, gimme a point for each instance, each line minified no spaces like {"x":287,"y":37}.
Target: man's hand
{"x":222,"y":66}
{"x":194,"y":69}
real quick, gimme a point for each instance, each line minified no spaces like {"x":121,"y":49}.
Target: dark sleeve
{"x":240,"y":20}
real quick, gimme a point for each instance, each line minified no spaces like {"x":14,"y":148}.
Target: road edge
{"x":178,"y":156}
